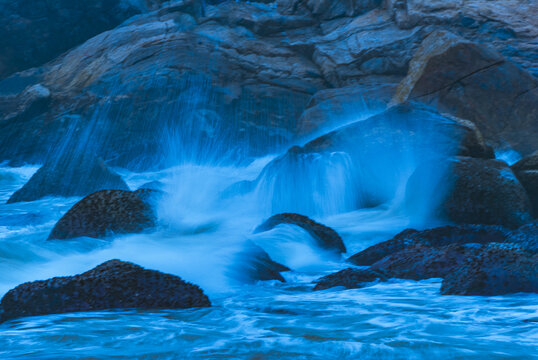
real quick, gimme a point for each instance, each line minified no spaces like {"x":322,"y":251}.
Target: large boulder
{"x":112,"y":285}
{"x":364,"y":164}
{"x":496,"y":270}
{"x":349,"y":278}
{"x":108,"y":212}
{"x":325,"y":237}
{"x":526,"y":171}
{"x":36,"y":31}
{"x":69,"y":176}
{"x":464,"y":79}
{"x":436,"y":237}
{"x":474,"y":191}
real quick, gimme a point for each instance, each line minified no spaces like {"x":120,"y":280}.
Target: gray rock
{"x":349,"y":278}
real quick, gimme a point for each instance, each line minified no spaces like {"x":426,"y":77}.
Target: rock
{"x":419,"y":262}
{"x":107,"y":212}
{"x":326,"y":9}
{"x":254,"y":264}
{"x":464,"y":79}
{"x":34,"y":32}
{"x":496,"y":270}
{"x":526,"y":171}
{"x":392,"y":143}
{"x":436,"y":238}
{"x":69,"y":176}
{"x":349,"y":278}
{"x":112,"y":285}
{"x":526,"y":237}
{"x":161,"y":61}
{"x":478,"y":191}
{"x":325,"y":237}
{"x":505,"y":25}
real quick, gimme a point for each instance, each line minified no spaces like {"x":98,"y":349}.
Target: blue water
{"x":199,"y":235}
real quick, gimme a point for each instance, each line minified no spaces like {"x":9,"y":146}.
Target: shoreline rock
{"x":112,"y":285}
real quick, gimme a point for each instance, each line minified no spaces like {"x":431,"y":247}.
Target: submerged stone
{"x":112,"y":285}
{"x":349,"y":278}
{"x":254,"y":264}
{"x":325,"y":237}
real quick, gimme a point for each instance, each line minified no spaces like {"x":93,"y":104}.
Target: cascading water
{"x":205,"y":220}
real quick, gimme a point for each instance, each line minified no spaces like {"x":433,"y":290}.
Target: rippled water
{"x":198,"y":239}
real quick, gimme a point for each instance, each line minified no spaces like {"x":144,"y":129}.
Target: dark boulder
{"x":325,"y":237}
{"x":526,"y":171}
{"x":419,"y":262}
{"x":473,"y":191}
{"x":436,"y":237}
{"x":69,"y":176}
{"x":254,"y":264}
{"x":112,"y":285}
{"x":107,"y":212}
{"x":349,"y":278}
{"x":496,"y":270}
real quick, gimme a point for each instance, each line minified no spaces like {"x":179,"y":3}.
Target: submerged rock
{"x":436,"y":237}
{"x":66,"y":176}
{"x":108,"y":212}
{"x":349,"y":278}
{"x":112,"y":285}
{"x":476,"y":191}
{"x":325,"y":237}
{"x":495,"y":270}
{"x":254,"y":264}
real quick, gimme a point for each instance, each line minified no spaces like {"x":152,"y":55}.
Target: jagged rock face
{"x":349,"y":278}
{"x":327,"y":9}
{"x":464,"y":79}
{"x":36,"y":31}
{"x":108,"y":212}
{"x":69,"y":176}
{"x":437,"y":237}
{"x":476,"y":191}
{"x":497,"y":270}
{"x":112,"y":285}
{"x":325,"y":237}
{"x":526,"y":171}
{"x":203,"y":81}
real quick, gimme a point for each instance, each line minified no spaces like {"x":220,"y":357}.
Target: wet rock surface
{"x":477,"y":191}
{"x":349,"y":278}
{"x":112,"y":285}
{"x":69,"y":176}
{"x":108,"y":212}
{"x":496,"y":270}
{"x":436,"y":237}
{"x":325,"y":237}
